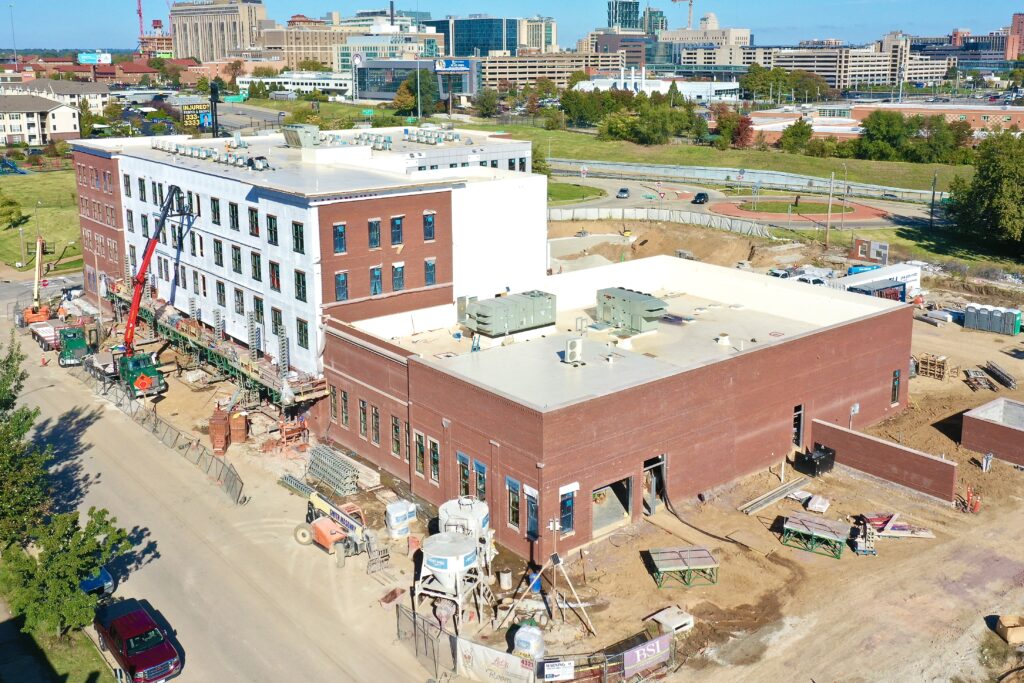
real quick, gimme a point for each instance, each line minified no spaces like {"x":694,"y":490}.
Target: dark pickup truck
{"x":128,"y":631}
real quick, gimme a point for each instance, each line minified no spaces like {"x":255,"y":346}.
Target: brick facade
{"x":100,"y":217}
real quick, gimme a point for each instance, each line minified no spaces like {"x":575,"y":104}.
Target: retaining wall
{"x":907,"y":467}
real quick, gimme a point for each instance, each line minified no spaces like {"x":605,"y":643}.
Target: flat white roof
{"x":341,"y":166}
{"x":714,"y":313}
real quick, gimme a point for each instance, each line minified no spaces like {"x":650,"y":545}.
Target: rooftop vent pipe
{"x":723,"y":339}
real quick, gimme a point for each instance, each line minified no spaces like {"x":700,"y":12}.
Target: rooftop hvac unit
{"x":629,"y":310}
{"x":573,"y":351}
{"x":508,"y":314}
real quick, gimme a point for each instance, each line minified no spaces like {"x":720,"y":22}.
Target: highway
{"x":243,"y":600}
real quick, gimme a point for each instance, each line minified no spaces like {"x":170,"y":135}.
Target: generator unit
{"x":629,"y":310}
{"x":508,"y":314}
{"x":816,"y":462}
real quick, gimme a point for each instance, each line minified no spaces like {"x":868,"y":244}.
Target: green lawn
{"x":75,"y":660}
{"x":568,"y":192}
{"x":56,"y":216}
{"x":804,"y":208}
{"x":569,"y":145}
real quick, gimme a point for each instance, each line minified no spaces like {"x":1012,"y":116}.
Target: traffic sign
{"x":658,"y":184}
{"x":367,"y":112}
{"x":649,"y":196}
{"x":661,"y":195}
{"x":583,"y":171}
{"x":43,"y":283}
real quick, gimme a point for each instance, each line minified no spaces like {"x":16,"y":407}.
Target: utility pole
{"x":931,"y":213}
{"x":828,"y":220}
{"x":14,"y":43}
{"x":846,"y":195}
{"x":419,"y":109}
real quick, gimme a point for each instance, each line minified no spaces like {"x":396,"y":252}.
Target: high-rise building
{"x":211,"y":29}
{"x":538,"y":34}
{"x":624,"y":13}
{"x":1017,"y":27}
{"x":477,"y":35}
{"x":654,"y":21}
{"x":708,"y":35}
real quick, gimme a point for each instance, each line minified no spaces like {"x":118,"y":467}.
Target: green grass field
{"x":569,"y":145}
{"x":75,"y":660}
{"x":55,"y":217}
{"x":804,"y":208}
{"x":568,"y":192}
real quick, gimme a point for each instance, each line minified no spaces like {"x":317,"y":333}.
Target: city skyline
{"x":869,"y":19}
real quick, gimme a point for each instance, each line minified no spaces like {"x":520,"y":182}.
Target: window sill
{"x":420,"y":475}
{"x":568,"y":534}
{"x":435,"y":483}
{"x":513,"y":527}
{"x":894,"y":405}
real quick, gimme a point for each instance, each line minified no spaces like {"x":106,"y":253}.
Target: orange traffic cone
{"x":42,"y":361}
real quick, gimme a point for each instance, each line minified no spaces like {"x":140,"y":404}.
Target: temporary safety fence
{"x":443,"y":653}
{"x":707,"y":220}
{"x":216,"y":468}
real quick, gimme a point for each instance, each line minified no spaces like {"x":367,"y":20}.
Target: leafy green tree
{"x":145,"y":81}
{"x":991,"y":205}
{"x":235,"y":69}
{"x":540,"y":161}
{"x":796,"y":136}
{"x":11,"y":214}
{"x":809,"y":86}
{"x":264,"y":72}
{"x":43,"y":583}
{"x":426,"y":92}
{"x":545,"y":88}
{"x":486,"y":102}
{"x":113,"y":111}
{"x":24,"y":487}
{"x":576,"y":77}
{"x":86,"y":119}
{"x":674,"y":97}
{"x":203,"y":84}
{"x":405,"y":100}
{"x":886,"y":134}
{"x":312,"y":65}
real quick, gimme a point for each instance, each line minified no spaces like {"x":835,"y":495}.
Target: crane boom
{"x":139,"y":280}
{"x":142,"y":25}
{"x":38,"y":271}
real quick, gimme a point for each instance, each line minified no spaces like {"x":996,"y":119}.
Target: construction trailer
{"x":883,"y":289}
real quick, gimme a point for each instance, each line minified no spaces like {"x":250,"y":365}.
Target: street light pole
{"x":931,"y":213}
{"x":14,"y":43}
{"x":846,"y":194}
{"x":828,"y":220}
{"x":419,"y":109}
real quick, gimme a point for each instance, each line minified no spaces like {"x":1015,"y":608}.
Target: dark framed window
{"x":300,"y":285}
{"x":344,"y":408}
{"x":222,"y":296}
{"x":334,"y":403}
{"x":376,"y":285}
{"x":257,"y":309}
{"x":144,"y":222}
{"x":895,"y":397}
{"x":127,"y":186}
{"x":236,"y":258}
{"x":397,"y":229}
{"x":428,"y":227}
{"x":374,"y":425}
{"x":513,"y":501}
{"x":397,"y":278}
{"x":435,"y":461}
{"x":429,"y":272}
{"x":340,"y":243}
{"x":214,"y":210}
{"x":218,"y":252}
{"x":463,"y":461}
{"x":302,"y":332}
{"x":254,"y":221}
{"x":239,"y":302}
{"x":130,"y":221}
{"x":373,"y":230}
{"x":566,"y":512}
{"x":396,"y":437}
{"x":233,"y":215}
{"x":298,"y":238}
{"x":142,"y":190}
{"x":272,"y":229}
{"x":276,"y":321}
{"x":256,"y":263}
{"x":362,"y":418}
{"x":421,"y":451}
{"x":480,"y":470}
{"x":275,"y":276}
{"x":341,"y":286}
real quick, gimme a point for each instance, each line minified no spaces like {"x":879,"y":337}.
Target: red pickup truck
{"x":128,"y":631}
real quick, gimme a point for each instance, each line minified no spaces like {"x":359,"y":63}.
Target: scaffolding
{"x":277,"y":383}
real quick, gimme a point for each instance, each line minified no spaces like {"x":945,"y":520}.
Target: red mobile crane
{"x":140,"y":373}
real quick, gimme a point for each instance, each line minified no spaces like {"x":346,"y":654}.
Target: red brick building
{"x":100,"y":216}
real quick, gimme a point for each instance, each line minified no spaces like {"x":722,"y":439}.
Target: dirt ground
{"x":710,"y":246}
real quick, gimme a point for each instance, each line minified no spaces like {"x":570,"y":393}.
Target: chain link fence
{"x":216,"y":468}
{"x":438,"y":651}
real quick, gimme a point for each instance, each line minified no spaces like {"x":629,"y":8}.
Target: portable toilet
{"x":971,"y":317}
{"x":996,"y":319}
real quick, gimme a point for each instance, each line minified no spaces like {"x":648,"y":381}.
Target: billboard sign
{"x":646,"y":656}
{"x":196,"y":115}
{"x":94,"y":58}
{"x":452,"y":66}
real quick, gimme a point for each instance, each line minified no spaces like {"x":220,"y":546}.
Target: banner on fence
{"x":643,"y":657}
{"x":559,"y":670}
{"x":481,"y":663}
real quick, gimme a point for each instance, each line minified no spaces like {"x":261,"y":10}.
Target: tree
{"x":673,"y":95}
{"x":235,"y":69}
{"x":486,"y":102}
{"x":532,"y":105}
{"x":113,"y":111}
{"x":312,"y":65}
{"x":991,"y":205}
{"x":809,"y":85}
{"x":576,"y":77}
{"x":796,"y":136}
{"x":424,"y":93}
{"x":11,"y":214}
{"x":145,"y":81}
{"x":85,"y":118}
{"x":24,"y":487}
{"x":545,"y":88}
{"x":264,"y":72}
{"x":540,"y":161}
{"x":43,"y":584}
{"x":744,"y":133}
{"x":405,"y":100}
{"x":886,"y":134}
{"x":203,"y":84}
{"x":172,"y":72}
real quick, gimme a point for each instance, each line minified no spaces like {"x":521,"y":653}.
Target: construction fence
{"x":707,"y":220}
{"x":218,"y":469}
{"x":443,"y":653}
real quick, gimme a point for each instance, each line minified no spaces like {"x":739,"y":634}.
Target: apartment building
{"x":72,"y":93}
{"x":209,"y":30}
{"x":496,"y":72}
{"x":337,"y":225}
{"x":35,"y":120}
{"x":538,"y":34}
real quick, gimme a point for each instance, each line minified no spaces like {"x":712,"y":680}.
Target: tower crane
{"x":138,"y":10}
{"x":689,"y":18}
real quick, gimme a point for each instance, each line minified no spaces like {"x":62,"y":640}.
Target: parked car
{"x":700,"y":198}
{"x":811,"y":279}
{"x":623,"y":193}
{"x":780,"y":273}
{"x":890,"y":195}
{"x":102,"y":584}
{"x":142,"y":649}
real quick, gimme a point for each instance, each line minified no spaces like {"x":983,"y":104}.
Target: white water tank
{"x":465,"y":514}
{"x":447,"y":556}
{"x":529,"y":642}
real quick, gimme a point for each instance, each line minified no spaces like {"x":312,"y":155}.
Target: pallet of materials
{"x":978,"y":380}
{"x":887,"y":526}
{"x":935,"y":367}
{"x":1000,"y":375}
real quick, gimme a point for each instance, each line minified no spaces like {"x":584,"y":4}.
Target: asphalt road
{"x":244,"y":601}
{"x":234,"y":116}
